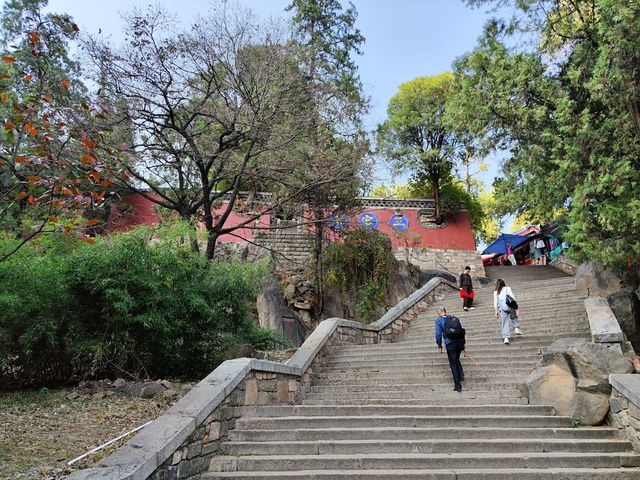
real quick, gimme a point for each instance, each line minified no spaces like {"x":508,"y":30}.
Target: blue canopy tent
{"x":499,"y":245}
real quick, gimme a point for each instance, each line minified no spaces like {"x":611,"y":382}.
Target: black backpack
{"x":453,"y":329}
{"x":511,"y":302}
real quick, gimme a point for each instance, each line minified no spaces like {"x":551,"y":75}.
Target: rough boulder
{"x":626,"y":308}
{"x":595,"y":280}
{"x":573,"y":377}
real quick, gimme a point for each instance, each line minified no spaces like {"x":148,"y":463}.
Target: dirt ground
{"x":41,"y":431}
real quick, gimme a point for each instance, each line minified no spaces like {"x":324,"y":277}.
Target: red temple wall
{"x":456,"y":234}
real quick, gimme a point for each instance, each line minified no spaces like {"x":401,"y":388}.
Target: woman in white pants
{"x":508,"y":316}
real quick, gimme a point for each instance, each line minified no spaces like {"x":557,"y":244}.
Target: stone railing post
{"x":624,"y":405}
{"x":605,"y":328}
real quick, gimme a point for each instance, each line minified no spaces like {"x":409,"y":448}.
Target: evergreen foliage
{"x":134,"y":304}
{"x":566,"y":108}
{"x":361,"y":264}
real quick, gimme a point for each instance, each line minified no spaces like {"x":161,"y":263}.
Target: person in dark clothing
{"x":454,"y":349}
{"x":467,"y":286}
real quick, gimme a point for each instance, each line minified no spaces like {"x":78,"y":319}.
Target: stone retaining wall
{"x":624,"y":412}
{"x":564,"y":264}
{"x":184,"y":441}
{"x":453,"y":261}
{"x":287,"y":248}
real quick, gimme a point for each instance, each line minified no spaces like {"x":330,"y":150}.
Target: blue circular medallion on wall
{"x":399,"y":222}
{"x":338,"y":222}
{"x":368,"y":220}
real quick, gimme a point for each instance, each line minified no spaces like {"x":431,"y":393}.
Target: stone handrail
{"x":561,"y":262}
{"x":624,"y":405}
{"x":181,"y":442}
{"x":604,"y":325}
{"x":313,"y":344}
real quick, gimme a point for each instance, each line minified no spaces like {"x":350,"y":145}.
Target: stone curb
{"x":603,"y":322}
{"x":152,"y":446}
{"x":628,"y":384}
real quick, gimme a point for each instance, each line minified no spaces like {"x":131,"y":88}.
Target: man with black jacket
{"x":450,"y":328}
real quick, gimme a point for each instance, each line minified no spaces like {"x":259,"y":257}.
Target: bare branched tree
{"x":210,"y":109}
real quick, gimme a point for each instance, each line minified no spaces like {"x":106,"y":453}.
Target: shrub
{"x":361,"y":266}
{"x":369,"y":300}
{"x":35,"y":306}
{"x":132,"y":304}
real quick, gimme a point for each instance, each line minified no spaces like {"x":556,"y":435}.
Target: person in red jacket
{"x":466,"y":285}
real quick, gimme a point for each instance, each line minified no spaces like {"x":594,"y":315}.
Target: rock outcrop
{"x":626,"y":308}
{"x":573,"y":376}
{"x":594,"y":280}
{"x":427,"y":274}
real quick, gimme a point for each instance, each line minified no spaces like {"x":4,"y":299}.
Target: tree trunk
{"x":212,"y":239}
{"x":193,"y":237}
{"x":317,"y":251}
{"x":194,"y":242}
{"x":436,"y":195}
{"x":634,"y":108}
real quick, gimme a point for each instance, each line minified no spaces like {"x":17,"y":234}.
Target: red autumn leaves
{"x":56,"y":168}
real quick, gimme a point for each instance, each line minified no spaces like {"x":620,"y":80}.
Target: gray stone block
{"x":305,"y":355}
{"x":141,"y":458}
{"x":628,"y":385}
{"x":119,"y":472}
{"x":616,"y":405}
{"x":159,"y":440}
{"x":603,"y":323}
{"x":210,"y":392}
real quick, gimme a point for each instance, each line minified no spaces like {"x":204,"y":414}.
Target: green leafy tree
{"x":404,"y":190}
{"x":415,"y":136}
{"x":491,"y":223}
{"x":328,"y":37}
{"x":328,"y":41}
{"x":361,"y":266}
{"x":566,"y":109}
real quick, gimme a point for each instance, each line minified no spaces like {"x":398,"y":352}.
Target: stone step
{"x":528,"y":339}
{"x":440,"y":474}
{"x":398,"y":397}
{"x":443,"y":371}
{"x":426,"y":460}
{"x":439,"y":383}
{"x":527,"y":353}
{"x":437,"y":359}
{"x":490,"y":320}
{"x":395,"y":433}
{"x":494,"y":336}
{"x":483,"y":301}
{"x":398,"y":421}
{"x":418,"y":387}
{"x":421,"y":345}
{"x":488,"y":317}
{"x":456,"y":400}
{"x":389,"y":410}
{"x":479,"y":352}
{"x":472,"y":378}
{"x":487,"y":445}
{"x":426,"y":366}
{"x":482,"y":333}
{"x":559,"y":297}
{"x":483,"y":305}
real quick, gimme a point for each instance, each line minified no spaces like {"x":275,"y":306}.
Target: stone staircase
{"x":389,"y":411}
{"x":287,"y":247}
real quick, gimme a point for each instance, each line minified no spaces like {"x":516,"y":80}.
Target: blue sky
{"x":404,"y":39}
